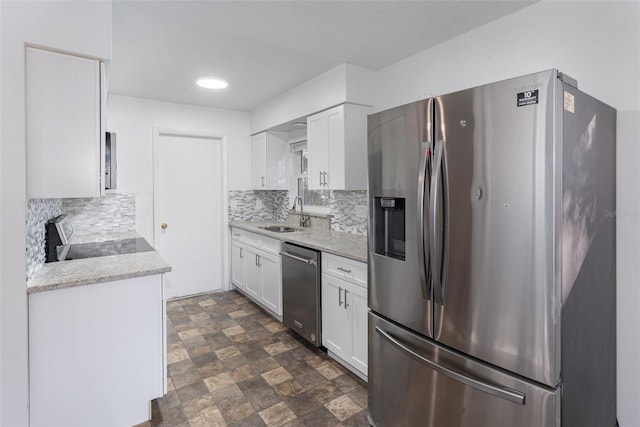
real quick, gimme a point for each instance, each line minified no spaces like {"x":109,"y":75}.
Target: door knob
{"x":163,"y":225}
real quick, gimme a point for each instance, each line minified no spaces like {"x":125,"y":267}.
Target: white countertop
{"x":79,"y":272}
{"x":352,"y":246}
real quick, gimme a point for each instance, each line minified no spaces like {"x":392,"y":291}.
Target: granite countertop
{"x":352,"y":246}
{"x":87,"y":271}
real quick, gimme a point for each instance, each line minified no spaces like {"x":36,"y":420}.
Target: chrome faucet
{"x":304,"y":219}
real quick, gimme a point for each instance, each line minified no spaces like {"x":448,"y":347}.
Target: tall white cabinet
{"x":337,"y":148}
{"x":269,"y":161}
{"x":65,"y":125}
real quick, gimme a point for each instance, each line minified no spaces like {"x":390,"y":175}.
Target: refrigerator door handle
{"x":434,"y":223}
{"x":486,"y":387}
{"x":423,"y":196}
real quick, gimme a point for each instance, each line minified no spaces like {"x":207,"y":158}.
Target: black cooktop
{"x":111,"y":247}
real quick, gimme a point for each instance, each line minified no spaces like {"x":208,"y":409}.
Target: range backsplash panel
{"x":114,"y":212}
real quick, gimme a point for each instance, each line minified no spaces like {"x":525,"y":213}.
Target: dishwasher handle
{"x":297,"y":258}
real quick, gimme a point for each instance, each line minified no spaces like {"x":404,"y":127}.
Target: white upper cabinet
{"x":65,"y":138}
{"x":337,"y":148}
{"x":269,"y":161}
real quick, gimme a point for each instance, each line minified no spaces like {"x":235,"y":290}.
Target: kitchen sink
{"x":279,"y":228}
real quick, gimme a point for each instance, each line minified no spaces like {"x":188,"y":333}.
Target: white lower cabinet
{"x":271,"y":282}
{"x":255,"y":269}
{"x":344,"y":312}
{"x":238,"y":264}
{"x":335,"y":336}
{"x":97,"y":353}
{"x":254,"y":275}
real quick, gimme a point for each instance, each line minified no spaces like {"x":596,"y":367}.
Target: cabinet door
{"x":356,"y":300}
{"x":63,"y":125}
{"x":238,"y":264}
{"x":259,"y":161}
{"x":271,"y":282}
{"x":76,"y":377}
{"x":335,"y":177}
{"x":276,"y":161}
{"x":336,"y":328}
{"x":317,"y":150}
{"x":253,"y":282}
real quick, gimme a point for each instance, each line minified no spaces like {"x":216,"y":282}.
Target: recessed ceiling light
{"x":299,"y":124}
{"x":212,"y":83}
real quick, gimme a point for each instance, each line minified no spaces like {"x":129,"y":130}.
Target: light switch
{"x":361,"y":211}
{"x":258,"y":204}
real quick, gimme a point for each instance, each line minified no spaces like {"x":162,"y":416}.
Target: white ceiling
{"x":263,"y":48}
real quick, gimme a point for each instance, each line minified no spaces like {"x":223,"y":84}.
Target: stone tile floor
{"x":230,"y":363}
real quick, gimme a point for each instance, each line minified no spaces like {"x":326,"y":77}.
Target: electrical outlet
{"x":258,"y":204}
{"x":234,"y":205}
{"x":361,"y":211}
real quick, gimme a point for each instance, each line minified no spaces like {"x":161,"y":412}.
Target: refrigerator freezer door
{"x":415,"y":382}
{"x":398,"y":144}
{"x":496,"y":284}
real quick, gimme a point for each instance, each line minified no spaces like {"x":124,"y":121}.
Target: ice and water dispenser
{"x":389,"y":230}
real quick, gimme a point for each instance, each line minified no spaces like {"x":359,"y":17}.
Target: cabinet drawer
{"x":253,"y":239}
{"x":238,"y":235}
{"x":345,"y":269}
{"x":267,"y":244}
{"x":271,"y":245}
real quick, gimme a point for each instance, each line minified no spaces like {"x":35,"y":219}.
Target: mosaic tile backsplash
{"x":242,"y":205}
{"x":39,"y":211}
{"x":345,"y":207}
{"x":113,"y":212}
{"x":275,"y":204}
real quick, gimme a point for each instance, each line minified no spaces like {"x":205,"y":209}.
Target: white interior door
{"x":188,"y":212}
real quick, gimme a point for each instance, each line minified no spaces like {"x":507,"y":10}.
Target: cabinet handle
{"x":339,"y":296}
{"x":236,"y":234}
{"x":326,"y":174}
{"x":256,"y":260}
{"x":320,"y":177}
{"x":241,"y":253}
{"x":343,"y":270}
{"x":345,"y":299}
{"x":259,"y":263}
{"x":263,"y":181}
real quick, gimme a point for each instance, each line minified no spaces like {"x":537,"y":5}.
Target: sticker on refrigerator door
{"x":528,"y":97}
{"x":569,"y":102}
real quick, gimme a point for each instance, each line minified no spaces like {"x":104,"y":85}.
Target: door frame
{"x":224,"y":175}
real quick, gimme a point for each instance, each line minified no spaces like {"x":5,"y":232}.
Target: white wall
{"x":133,"y":120}
{"x":344,"y":83}
{"x":597,"y":43}
{"x":80,"y":27}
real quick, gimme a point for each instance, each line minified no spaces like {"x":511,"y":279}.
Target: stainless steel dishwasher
{"x":301,"y":291}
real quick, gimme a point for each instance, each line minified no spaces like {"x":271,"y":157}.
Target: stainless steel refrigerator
{"x":492,"y":258}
